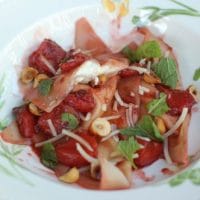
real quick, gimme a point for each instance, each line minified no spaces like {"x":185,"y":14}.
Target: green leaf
{"x":3,"y":124}
{"x":45,"y":86}
{"x":184,"y":5}
{"x":127,"y":148}
{"x":194,"y":176}
{"x":135,"y":19}
{"x":196,"y":76}
{"x":145,"y":128}
{"x":48,"y":156}
{"x":179,"y":179}
{"x":70,"y":119}
{"x":158,"y":107}
{"x":165,"y":69}
{"x":150,"y":49}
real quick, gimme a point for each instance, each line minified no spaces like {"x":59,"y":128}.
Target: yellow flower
{"x":109,"y":5}
{"x":123,"y":9}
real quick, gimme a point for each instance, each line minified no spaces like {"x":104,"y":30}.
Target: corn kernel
{"x":160,"y":124}
{"x":28,"y":74}
{"x":151,"y":79}
{"x":39,"y":78}
{"x":71,"y":176}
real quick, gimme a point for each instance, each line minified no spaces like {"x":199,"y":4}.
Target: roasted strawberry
{"x":55,"y":116}
{"x":177,"y":99}
{"x":73,"y":61}
{"x":151,"y":152}
{"x":81,"y":100}
{"x":26,"y":121}
{"x":125,"y":73}
{"x":68,"y":155}
{"x":47,"y":57}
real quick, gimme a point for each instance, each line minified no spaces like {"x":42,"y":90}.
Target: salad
{"x":93,"y":115}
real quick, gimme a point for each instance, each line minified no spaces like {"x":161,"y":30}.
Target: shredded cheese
{"x":119,"y":100}
{"x":52,"y":128}
{"x":149,"y":66}
{"x":111,"y":117}
{"x":141,"y":92}
{"x":54,"y":139}
{"x":142,"y":61}
{"x":166,"y":152}
{"x":127,"y":118}
{"x":145,"y":89}
{"x":113,"y":133}
{"x":85,"y":118}
{"x":48,"y":64}
{"x":143,"y":138}
{"x":116,"y":138}
{"x":177,"y":124}
{"x":85,"y":155}
{"x":141,"y":146}
{"x":115,"y":106}
{"x":141,"y":70}
{"x":132,"y":94}
{"x":135,"y":155}
{"x":130,"y":114}
{"x":77,"y":138}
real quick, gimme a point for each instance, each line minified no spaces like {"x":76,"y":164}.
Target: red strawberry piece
{"x":68,"y":155}
{"x":51,"y":52}
{"x":55,"y":117}
{"x":26,"y":121}
{"x":81,"y":100}
{"x":151,"y":152}
{"x":73,"y":61}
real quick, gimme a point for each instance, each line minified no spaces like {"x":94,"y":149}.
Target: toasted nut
{"x":151,"y":79}
{"x":39,"y":78}
{"x":103,"y":79}
{"x":101,"y":127}
{"x":194,"y":92}
{"x":34,"y":109}
{"x":160,"y":124}
{"x":28,"y":74}
{"x":71,"y":176}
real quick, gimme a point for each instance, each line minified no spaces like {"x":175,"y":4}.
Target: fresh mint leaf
{"x":165,"y":69}
{"x":127,"y":148}
{"x":70,"y":119}
{"x":45,"y":86}
{"x":145,"y":128}
{"x":196,"y":76}
{"x":48,"y":156}
{"x":158,"y":107}
{"x":150,"y":49}
{"x":135,"y":19}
